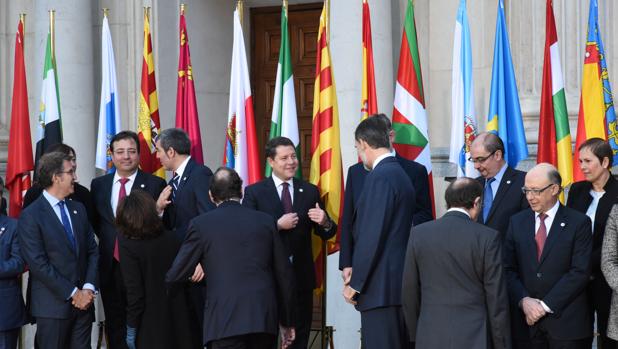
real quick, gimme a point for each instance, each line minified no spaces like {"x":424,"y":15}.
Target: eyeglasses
{"x":481,"y":159}
{"x":535,"y":192}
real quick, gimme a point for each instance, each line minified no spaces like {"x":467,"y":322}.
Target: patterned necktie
{"x":541,"y":236}
{"x":121,"y":195}
{"x":66,"y":224}
{"x":174,"y":183}
{"x":488,"y":198}
{"x":286,"y":198}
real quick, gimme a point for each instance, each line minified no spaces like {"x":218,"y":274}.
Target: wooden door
{"x":303,"y":21}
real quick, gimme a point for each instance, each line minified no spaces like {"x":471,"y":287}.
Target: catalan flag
{"x":554,"y":133}
{"x":326,"y":168}
{"x":148,"y":124}
{"x":409,"y":115}
{"x":369,"y":101}
{"x":186,"y":104}
{"x":597,"y":117}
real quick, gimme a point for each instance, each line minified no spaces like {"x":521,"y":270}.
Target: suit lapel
{"x":107,"y":197}
{"x":191,"y":165}
{"x":274,"y":197}
{"x":298,"y":198}
{"x":559,"y":223}
{"x":77,"y":234}
{"x":529,"y":232}
{"x":503,"y":188}
{"x":140,"y":181}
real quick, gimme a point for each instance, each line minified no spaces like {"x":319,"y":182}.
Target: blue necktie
{"x":67,"y":224}
{"x":174,"y":183}
{"x":488,"y":198}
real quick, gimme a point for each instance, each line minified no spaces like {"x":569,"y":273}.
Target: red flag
{"x":186,"y":105}
{"x":20,"y":144}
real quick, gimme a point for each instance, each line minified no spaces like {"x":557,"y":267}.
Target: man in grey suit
{"x":459,"y":300}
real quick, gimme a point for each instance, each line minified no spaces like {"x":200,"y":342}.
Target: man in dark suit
{"x":13,"y":314}
{"x":423,"y":211}
{"x":502,"y":196}
{"x":107,"y":191}
{"x":57,"y":243}
{"x":185,"y":198}
{"x":460,"y":297}
{"x":250,"y":280}
{"x":547,"y":262}
{"x":382,"y":227}
{"x":298,"y":209}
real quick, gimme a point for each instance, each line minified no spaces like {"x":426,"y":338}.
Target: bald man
{"x":547,"y":263}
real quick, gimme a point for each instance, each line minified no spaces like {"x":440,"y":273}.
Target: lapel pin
{"x":508,"y":182}
{"x":142,"y":186}
{"x":74,"y":212}
{"x":184,"y":178}
{"x":2,"y":230}
{"x":300,"y":190}
{"x":562,"y":224}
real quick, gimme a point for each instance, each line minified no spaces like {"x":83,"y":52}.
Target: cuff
{"x":545,"y":307}
{"x":73,"y":293}
{"x":89,"y":286}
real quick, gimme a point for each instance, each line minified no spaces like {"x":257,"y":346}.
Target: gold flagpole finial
{"x":364,"y":1}
{"x":146,"y":12}
{"x":183,"y":7}
{"x":285,"y":6}
{"x":240,"y":8}
{"x":105,"y":12}
{"x":22,"y":19}
{"x":52,"y":19}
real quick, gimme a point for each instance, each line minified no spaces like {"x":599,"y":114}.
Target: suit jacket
{"x":3,"y":207}
{"x":150,"y":309}
{"x":104,"y":219}
{"x":263,"y":196}
{"x":80,"y":194}
{"x":460,"y":299}
{"x":55,"y":268}
{"x":559,"y":279}
{"x":609,"y":266}
{"x":382,"y":228}
{"x":423,"y":211}
{"x":191,"y":199}
{"x":250,"y":280}
{"x":13,"y":314}
{"x":508,"y":200}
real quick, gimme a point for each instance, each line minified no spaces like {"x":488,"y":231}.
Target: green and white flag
{"x":284,"y":121}
{"x":50,"y":126}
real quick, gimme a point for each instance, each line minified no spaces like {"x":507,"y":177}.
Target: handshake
{"x":83,"y":299}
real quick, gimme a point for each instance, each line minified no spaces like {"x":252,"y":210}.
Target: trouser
{"x":384,"y":328}
{"x":247,"y":341}
{"x":114,"y":296}
{"x":71,"y":333}
{"x":8,"y":338}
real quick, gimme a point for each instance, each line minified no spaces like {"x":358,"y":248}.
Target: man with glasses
{"x":107,"y":192}
{"x":547,"y":263}
{"x":502,"y":196}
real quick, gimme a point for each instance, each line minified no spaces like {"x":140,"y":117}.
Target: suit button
{"x":539,"y":275}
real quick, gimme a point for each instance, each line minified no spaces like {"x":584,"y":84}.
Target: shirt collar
{"x":181,"y":169}
{"x":458,"y":209}
{"x":53,"y":201}
{"x":278,"y":181}
{"x":131,"y":178}
{"x":500,"y":174}
{"x":551,"y":213}
{"x":380,"y":158}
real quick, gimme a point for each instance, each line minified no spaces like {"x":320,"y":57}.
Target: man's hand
{"x":533,"y":310}
{"x":288,"y":334}
{"x":346,"y":275}
{"x":83,"y":299}
{"x":287,"y":221}
{"x":198,"y":274}
{"x":349,"y":294}
{"x":164,"y":199}
{"x":318,"y":215}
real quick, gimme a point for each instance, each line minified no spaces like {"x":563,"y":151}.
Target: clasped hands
{"x":533,"y":309}
{"x":287,"y":334}
{"x":83,"y":299}
{"x":349,"y":293}
{"x":290,"y":220}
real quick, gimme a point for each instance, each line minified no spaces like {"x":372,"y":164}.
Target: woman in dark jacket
{"x":157,"y":317}
{"x":595,"y":197}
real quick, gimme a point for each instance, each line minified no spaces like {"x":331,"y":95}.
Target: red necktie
{"x":286,"y":198}
{"x":541,"y":236}
{"x":121,"y":195}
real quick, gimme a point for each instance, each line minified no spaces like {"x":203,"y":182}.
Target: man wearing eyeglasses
{"x":107,"y":192}
{"x":502,"y":196}
{"x":547,"y":263}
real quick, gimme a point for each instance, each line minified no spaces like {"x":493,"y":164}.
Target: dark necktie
{"x":286,"y":198}
{"x":488,"y":198}
{"x":174,"y":183}
{"x":66,"y":224}
{"x":541,"y":236}
{"x":121,"y":195}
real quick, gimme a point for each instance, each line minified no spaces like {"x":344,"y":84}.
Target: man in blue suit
{"x":357,"y":173}
{"x":57,"y":242}
{"x":13,"y":314}
{"x":107,"y":192}
{"x":382,"y":227}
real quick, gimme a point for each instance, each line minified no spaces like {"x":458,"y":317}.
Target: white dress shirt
{"x":116,"y":189}
{"x":380,"y":158}
{"x":592,"y":209}
{"x":181,"y":169}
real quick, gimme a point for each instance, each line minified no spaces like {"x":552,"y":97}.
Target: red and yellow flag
{"x":326,"y":167}
{"x":369,"y":101}
{"x":148,"y":124}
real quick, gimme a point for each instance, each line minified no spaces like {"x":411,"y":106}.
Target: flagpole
{"x":285,"y":7}
{"x":240,"y":7}
{"x":52,"y":16}
{"x":183,"y":7}
{"x":105,"y":12}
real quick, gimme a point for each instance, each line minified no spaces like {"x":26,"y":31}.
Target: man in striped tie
{"x":547,"y":262}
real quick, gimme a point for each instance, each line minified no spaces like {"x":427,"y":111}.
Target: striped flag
{"x":409,"y":115}
{"x":597,"y":117}
{"x":109,"y":110}
{"x":148,"y":124}
{"x":463,"y":120}
{"x":369,"y":101}
{"x":186,"y":104}
{"x":326,"y":167}
{"x":49,"y":130}
{"x":19,"y":162}
{"x":284,"y":121}
{"x":504,"y":117}
{"x":241,"y":149}
{"x":554,"y":133}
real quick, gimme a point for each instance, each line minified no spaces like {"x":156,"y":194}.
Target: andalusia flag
{"x":284,"y":122}
{"x":409,"y":116}
{"x":369,"y":101}
{"x":554,"y":133}
{"x":148,"y":124}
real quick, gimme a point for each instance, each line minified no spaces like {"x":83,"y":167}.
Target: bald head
{"x":464,"y":193}
{"x":542,"y":187}
{"x":487,"y":153}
